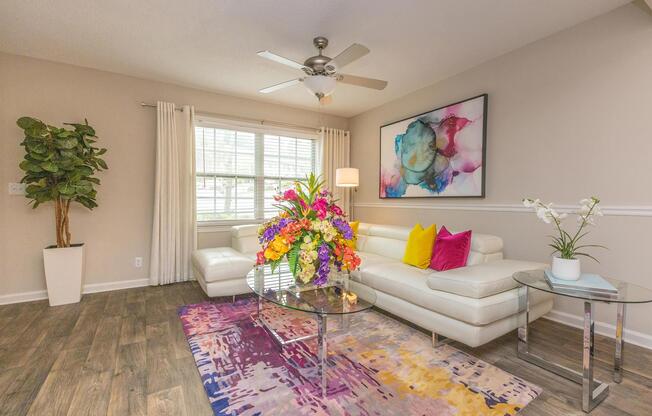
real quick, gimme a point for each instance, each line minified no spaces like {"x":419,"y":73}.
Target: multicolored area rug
{"x":378,"y":367}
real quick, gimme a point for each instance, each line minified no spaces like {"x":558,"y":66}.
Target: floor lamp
{"x":348,"y":178}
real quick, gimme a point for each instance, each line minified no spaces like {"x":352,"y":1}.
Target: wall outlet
{"x":17,"y":188}
{"x":138,"y":262}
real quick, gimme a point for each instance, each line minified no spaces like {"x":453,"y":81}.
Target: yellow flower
{"x":279,"y":244}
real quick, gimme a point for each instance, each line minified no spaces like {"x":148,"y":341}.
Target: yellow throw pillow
{"x":354,"y":226}
{"x":418,"y":250}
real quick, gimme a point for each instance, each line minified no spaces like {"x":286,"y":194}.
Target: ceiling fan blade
{"x":376,"y":84}
{"x":282,"y":85}
{"x":350,"y":54}
{"x":281,"y":60}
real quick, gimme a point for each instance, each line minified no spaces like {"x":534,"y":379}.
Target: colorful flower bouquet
{"x":311,"y":232}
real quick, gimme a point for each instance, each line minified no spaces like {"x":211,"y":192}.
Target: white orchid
{"x":567,"y":245}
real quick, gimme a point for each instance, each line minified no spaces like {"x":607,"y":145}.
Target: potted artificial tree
{"x":60,"y":165}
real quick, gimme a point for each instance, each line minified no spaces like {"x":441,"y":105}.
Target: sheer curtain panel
{"x":174,"y":225}
{"x":336,"y":154}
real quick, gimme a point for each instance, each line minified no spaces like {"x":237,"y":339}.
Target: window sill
{"x":222,"y":226}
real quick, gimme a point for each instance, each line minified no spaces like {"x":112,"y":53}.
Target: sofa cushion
{"x":244,"y":238}
{"x":385,"y":240}
{"x":481,"y":280}
{"x":418,"y":250}
{"x":409,"y":283}
{"x":221,"y":263}
{"x":369,"y":259}
{"x":450,"y":250}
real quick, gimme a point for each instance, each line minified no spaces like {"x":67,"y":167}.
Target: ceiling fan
{"x":322,"y":72}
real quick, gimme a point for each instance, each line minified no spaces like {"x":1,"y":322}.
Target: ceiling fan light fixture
{"x":320,"y":85}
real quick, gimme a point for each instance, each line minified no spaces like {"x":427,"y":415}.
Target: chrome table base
{"x":593,"y":391}
{"x":321,"y":335}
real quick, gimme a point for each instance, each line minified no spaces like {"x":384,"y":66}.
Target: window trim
{"x":259,"y":179}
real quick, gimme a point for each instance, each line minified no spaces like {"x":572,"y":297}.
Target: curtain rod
{"x":245,"y":119}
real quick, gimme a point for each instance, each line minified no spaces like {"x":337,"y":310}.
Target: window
{"x":238,"y":171}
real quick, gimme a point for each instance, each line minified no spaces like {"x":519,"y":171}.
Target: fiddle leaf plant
{"x":59,"y":165}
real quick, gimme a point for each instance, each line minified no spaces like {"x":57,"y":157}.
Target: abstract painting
{"x":439,"y":154}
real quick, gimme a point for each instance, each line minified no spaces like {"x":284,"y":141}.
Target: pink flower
{"x":320,"y":206}
{"x":336,"y":210}
{"x":290,"y":195}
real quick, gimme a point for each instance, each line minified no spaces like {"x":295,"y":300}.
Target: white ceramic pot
{"x":64,"y":272}
{"x":566,"y":269}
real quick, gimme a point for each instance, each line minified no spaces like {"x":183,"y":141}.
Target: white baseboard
{"x":23,"y":297}
{"x":602,"y":328}
{"x":108,"y":286}
{"x":89,"y":288}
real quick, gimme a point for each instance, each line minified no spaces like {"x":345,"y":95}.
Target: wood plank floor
{"x":124,"y":353}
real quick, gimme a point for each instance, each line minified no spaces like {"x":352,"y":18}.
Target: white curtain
{"x":335,"y":154}
{"x":174,"y":226}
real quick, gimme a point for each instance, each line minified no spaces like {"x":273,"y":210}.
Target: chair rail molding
{"x":608,"y":210}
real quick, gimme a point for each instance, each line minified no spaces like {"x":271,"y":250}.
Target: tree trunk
{"x":66,"y":223}
{"x":61,"y":209}
{"x":58,"y":214}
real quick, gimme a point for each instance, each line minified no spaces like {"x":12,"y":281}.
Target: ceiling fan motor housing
{"x":319,"y":64}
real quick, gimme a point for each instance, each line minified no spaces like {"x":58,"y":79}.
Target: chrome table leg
{"x":523,"y":331}
{"x":618,"y":357}
{"x":593,"y":391}
{"x":321,"y":352}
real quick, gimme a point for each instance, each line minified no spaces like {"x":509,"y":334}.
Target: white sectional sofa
{"x":473,"y":304}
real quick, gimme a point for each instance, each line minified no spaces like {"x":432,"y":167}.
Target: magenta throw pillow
{"x":450,"y":250}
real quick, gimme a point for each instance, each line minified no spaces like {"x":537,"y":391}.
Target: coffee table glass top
{"x":627,"y":292}
{"x":343,"y":298}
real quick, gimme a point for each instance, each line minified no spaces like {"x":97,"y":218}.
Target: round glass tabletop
{"x":341,"y":296}
{"x":627,"y":292}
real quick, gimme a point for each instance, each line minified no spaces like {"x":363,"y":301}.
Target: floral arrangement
{"x":567,"y":245}
{"x":311,"y":232}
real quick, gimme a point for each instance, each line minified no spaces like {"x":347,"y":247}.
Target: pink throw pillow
{"x":450,"y":250}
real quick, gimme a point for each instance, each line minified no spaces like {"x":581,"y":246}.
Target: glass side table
{"x":593,"y":391}
{"x":342,"y":299}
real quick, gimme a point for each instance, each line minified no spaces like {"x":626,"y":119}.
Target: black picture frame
{"x":482,"y":194}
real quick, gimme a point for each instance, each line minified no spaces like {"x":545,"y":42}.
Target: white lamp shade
{"x":347,"y":177}
{"x":319,"y":84}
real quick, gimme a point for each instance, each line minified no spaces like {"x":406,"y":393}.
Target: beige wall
{"x":569,"y":116}
{"x":120,"y":228}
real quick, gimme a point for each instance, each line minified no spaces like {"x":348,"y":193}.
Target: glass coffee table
{"x":342,"y":299}
{"x":593,"y":391}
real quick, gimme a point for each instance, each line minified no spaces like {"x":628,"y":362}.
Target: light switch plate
{"x":17,"y":188}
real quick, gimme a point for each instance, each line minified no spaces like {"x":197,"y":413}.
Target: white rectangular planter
{"x":64,"y":272}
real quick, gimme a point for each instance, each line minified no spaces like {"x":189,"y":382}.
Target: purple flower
{"x":273,"y":230}
{"x":324,"y":256}
{"x":344,"y":228}
{"x":270,"y":233}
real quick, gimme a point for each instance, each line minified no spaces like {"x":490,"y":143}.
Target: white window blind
{"x":238,"y":172}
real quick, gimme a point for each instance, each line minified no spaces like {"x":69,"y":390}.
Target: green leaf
{"x":293,"y":259}
{"x":49,"y":166}
{"x":102,"y":163}
{"x":67,"y":143}
{"x":587,"y":255}
{"x":65,"y":188}
{"x":28,"y":122}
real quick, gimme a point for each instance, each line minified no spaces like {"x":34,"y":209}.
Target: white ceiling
{"x":212,"y":44}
